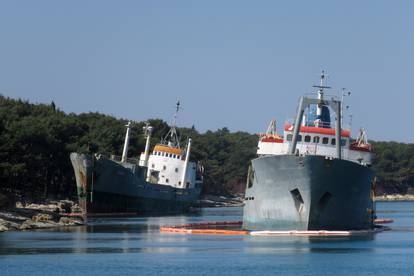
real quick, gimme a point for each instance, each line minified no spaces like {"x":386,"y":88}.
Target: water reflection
{"x":142,"y":235}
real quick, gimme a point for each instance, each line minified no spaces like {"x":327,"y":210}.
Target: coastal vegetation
{"x":36,"y":139}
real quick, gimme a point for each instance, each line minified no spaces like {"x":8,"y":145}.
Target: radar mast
{"x":171,"y":139}
{"x":322,"y":117}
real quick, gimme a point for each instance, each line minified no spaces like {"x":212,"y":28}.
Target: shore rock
{"x":395,"y":197}
{"x":42,"y":218}
{"x":69,"y":221}
{"x":35,"y":216}
{"x":4,"y":225}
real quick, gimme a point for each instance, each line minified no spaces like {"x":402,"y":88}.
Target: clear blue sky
{"x":232,"y":63}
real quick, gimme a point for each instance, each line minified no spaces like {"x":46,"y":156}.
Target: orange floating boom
{"x":191,"y":229}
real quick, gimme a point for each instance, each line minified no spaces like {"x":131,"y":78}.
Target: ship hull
{"x":107,"y":187}
{"x":308,"y":193}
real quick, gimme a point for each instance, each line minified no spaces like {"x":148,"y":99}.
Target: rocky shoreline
{"x":395,"y":197}
{"x":38,"y":216}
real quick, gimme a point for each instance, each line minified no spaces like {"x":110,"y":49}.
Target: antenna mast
{"x":320,"y":87}
{"x":177,"y":108}
{"x":172,"y":137}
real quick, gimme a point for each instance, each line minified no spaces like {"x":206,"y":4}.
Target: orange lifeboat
{"x":271,"y":138}
{"x":360,"y":147}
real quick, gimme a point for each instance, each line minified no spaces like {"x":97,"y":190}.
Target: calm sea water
{"x":134,"y":246}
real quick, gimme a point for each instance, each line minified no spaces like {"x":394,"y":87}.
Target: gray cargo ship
{"x":314,"y":176}
{"x":164,"y":181}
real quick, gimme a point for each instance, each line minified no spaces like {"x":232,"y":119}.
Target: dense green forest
{"x":36,"y":139}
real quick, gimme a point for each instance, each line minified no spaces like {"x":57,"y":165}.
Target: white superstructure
{"x":316,"y":137}
{"x":170,"y":165}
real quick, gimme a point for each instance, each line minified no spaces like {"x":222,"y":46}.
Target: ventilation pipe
{"x":148,"y":130}
{"x":187,"y":158}
{"x":125,"y":151}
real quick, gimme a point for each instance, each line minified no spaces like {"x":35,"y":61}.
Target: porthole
{"x":176,"y":170}
{"x":164,"y":167}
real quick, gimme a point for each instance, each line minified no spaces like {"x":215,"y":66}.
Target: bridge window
{"x":289,"y":137}
{"x":343,"y":142}
{"x":299,"y":138}
{"x":325,"y":140}
{"x":307,"y":138}
{"x":316,"y":139}
{"x":333,"y":142}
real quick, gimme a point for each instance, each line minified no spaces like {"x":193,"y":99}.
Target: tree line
{"x":36,"y":140}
